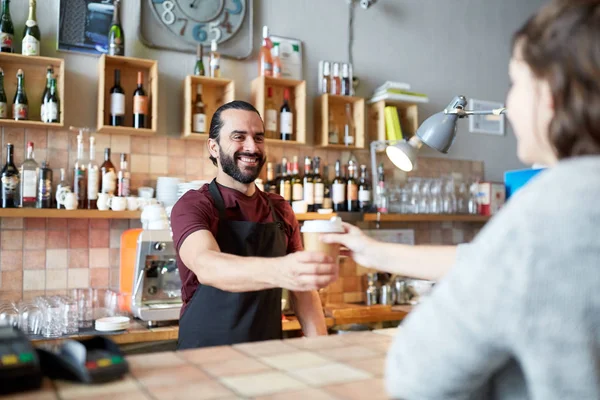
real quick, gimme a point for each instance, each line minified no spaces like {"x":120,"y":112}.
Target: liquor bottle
{"x":382,"y":199}
{"x":93,"y":177}
{"x":349,"y":127}
{"x":364,"y":190}
{"x":63,"y":187}
{"x":297,"y":190}
{"x":123,"y":178}
{"x":286,"y":118}
{"x":338,"y":189}
{"x":336,"y":82}
{"x":326,"y":82}
{"x":7,"y":30}
{"x":265,"y":60}
{"x":334,"y":134}
{"x":140,"y":103}
{"x":51,"y":105}
{"x":108,"y":175}
{"x":319,"y":185}
{"x":285,"y":182}
{"x":199,"y":67}
{"x":3,"y":99}
{"x":277,"y":68}
{"x":309,"y":185}
{"x":199,"y":115}
{"x":29,"y":178}
{"x":271,"y":185}
{"x":346,"y":84}
{"x":31,"y":35}
{"x":20,"y":103}
{"x":49,"y":75}
{"x":270,"y":115}
{"x":327,"y":203}
{"x":352,"y":188}
{"x":79,"y":175}
{"x":215,"y":61}
{"x":10,"y":180}
{"x":116,"y":35}
{"x":44,"y":196}
{"x":117,"y":102}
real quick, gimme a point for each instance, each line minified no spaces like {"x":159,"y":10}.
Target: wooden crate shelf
{"x":297,"y":101}
{"x":129,"y":68}
{"x":408,"y":114}
{"x":34,"y":69}
{"x":336,"y":105}
{"x":215,"y":93}
{"x":70,"y":214}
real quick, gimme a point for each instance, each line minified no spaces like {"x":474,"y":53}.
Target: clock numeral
{"x":185,"y":21}
{"x":226,"y":24}
{"x":215,"y":31}
{"x":199,"y":33}
{"x":168,"y":17}
{"x":238,"y":7}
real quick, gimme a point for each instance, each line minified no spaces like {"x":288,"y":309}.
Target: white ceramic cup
{"x":70,"y":201}
{"x":299,"y":207}
{"x":118,"y":203}
{"x":146,"y":192}
{"x":103,"y":201}
{"x":132,"y":203}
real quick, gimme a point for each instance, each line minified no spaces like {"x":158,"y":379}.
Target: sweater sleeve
{"x":455,"y":340}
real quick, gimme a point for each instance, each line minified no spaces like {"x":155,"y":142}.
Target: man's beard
{"x":230,"y":166}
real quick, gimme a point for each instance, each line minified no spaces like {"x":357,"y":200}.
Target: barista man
{"x":238,"y":246}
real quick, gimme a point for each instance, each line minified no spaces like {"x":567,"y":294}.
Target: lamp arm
{"x":465,"y":113}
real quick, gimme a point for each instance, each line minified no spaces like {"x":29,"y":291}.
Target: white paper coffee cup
{"x":311,"y":233}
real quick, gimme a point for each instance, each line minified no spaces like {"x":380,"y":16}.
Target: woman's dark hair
{"x":216,"y":123}
{"x":561,"y":44}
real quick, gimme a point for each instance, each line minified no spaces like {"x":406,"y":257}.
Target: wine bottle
{"x":338,"y":189}
{"x":349,"y":127}
{"x":286,"y":117}
{"x":346,"y":84}
{"x":117,"y":102}
{"x":277,"y":68}
{"x":140,"y":103}
{"x":7,"y":30}
{"x":199,"y":67}
{"x":335,"y":82}
{"x":116,"y":37}
{"x":271,"y":185}
{"x":93,"y":177}
{"x":327,"y":203}
{"x":31,"y":35}
{"x":20,"y":103}
{"x":319,"y":185}
{"x":364,"y":190}
{"x":49,"y":75}
{"x":79,"y":175}
{"x":351,"y":188}
{"x":297,"y":190}
{"x":3,"y":99}
{"x":108,"y":175}
{"x":44,"y":197}
{"x":10,"y":180}
{"x":63,"y":187}
{"x":285,"y":183}
{"x":270,"y":116}
{"x":51,"y":106}
{"x":265,"y":61}
{"x":308,"y":185}
{"x":215,"y":61}
{"x":199,"y":115}
{"x":123,"y":178}
{"x":29,"y":178}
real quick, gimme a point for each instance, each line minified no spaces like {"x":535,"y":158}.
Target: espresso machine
{"x":149,"y":274}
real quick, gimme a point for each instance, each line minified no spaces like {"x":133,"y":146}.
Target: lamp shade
{"x":438,"y":131}
{"x":404,"y":154}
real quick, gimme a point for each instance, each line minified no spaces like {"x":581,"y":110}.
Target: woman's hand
{"x":359,"y":246}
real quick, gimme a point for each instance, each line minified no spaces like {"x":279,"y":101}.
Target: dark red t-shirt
{"x":196,"y":211}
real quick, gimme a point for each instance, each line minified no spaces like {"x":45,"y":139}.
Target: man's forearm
{"x":421,"y":262}
{"x":308,"y":309}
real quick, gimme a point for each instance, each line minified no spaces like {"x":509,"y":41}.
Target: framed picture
{"x":486,"y":124}
{"x":83,"y":25}
{"x":290,"y":53}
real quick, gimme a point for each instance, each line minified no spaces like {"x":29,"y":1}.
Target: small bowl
{"x":299,"y":207}
{"x":325,"y":211}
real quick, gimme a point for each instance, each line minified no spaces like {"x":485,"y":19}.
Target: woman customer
{"x":516,"y":314}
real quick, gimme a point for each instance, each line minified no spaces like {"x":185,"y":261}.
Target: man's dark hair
{"x":216,"y":123}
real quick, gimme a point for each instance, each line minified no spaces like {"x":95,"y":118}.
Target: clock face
{"x":201,"y":21}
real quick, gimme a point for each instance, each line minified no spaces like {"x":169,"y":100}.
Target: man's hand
{"x":304,"y":271}
{"x":359,"y":246}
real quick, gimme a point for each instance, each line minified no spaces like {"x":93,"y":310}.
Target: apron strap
{"x":273,"y":213}
{"x":218,"y":199}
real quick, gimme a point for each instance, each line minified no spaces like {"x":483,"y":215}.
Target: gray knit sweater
{"x":518,"y":316}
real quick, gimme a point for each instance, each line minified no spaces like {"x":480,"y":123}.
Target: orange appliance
{"x":129,"y":240}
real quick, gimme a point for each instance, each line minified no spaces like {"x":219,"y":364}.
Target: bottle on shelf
{"x":20,"y":103}
{"x":338,"y":189}
{"x":382,"y":197}
{"x":3,"y":99}
{"x":51,"y":105}
{"x":346,"y":88}
{"x":277,"y":68}
{"x":271,"y":185}
{"x":108,"y":175}
{"x":9,"y":180}
{"x":123,"y":178}
{"x":215,"y":61}
{"x":140,"y":103}
{"x":336,"y":82}
{"x":270,"y":115}
{"x":364,"y":190}
{"x":49,"y":75}
{"x":7,"y":30}
{"x":297,"y":190}
{"x":93,"y":177}
{"x":265,"y":60}
{"x":44,"y":195}
{"x":286,"y":118}
{"x":309,"y":185}
{"x":117,"y":102}
{"x":29,"y":178}
{"x":326,"y":82}
{"x":199,"y":115}
{"x":349,"y":127}
{"x":327,"y":203}
{"x":80,"y":175}
{"x":31,"y":34}
{"x":199,"y":67}
{"x":333,"y":134}
{"x":285,"y":182}
{"x":318,"y":184}
{"x":116,"y":35}
{"x":63,"y":187}
{"x":352,"y":188}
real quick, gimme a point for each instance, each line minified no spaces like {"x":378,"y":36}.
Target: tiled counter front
{"x":349,"y":366}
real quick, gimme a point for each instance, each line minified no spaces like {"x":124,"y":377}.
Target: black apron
{"x":214,"y":317}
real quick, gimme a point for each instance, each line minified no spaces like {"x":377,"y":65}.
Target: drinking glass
{"x":449,"y":197}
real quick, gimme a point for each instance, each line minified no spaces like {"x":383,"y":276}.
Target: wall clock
{"x":181,"y":24}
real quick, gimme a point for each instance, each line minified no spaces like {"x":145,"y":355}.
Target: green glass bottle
{"x":199,"y":67}
{"x":31,"y":35}
{"x":49,"y":75}
{"x":20,"y":103}
{"x":7,"y":30}
{"x":3,"y":100}
{"x":51,"y":104}
{"x":116,"y":37}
